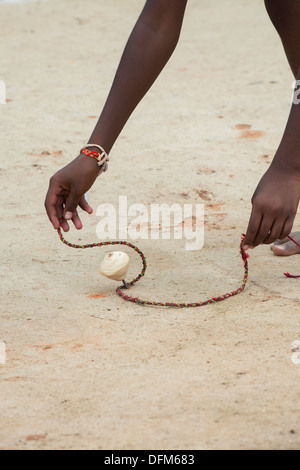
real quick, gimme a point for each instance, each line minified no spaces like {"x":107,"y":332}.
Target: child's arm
{"x":149,"y":48}
{"x":276,"y":198}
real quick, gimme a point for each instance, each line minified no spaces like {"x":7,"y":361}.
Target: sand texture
{"x":84,"y":369}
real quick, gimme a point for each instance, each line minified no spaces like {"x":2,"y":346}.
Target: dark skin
{"x":151,"y":44}
{"x":148,"y":49}
{"x":276,"y":198}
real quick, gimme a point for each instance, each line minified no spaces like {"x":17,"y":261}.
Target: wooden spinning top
{"x":115,"y":265}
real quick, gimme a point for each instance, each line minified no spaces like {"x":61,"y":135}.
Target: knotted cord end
{"x":290,"y":276}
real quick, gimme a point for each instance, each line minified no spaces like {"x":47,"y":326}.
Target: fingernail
{"x":68,"y":215}
{"x":246,"y":247}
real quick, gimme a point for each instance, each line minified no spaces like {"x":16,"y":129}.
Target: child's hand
{"x":274,"y":206}
{"x":66,"y":191}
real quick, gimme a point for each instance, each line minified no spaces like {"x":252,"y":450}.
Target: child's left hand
{"x":274,"y":206}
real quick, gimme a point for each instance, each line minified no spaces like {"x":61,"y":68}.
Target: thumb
{"x":71,"y":204}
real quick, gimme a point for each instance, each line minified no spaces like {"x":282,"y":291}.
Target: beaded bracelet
{"x":102,"y":157}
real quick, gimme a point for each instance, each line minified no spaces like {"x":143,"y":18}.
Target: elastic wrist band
{"x":102,"y":157}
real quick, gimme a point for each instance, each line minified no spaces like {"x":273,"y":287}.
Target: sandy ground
{"x":84,"y":369}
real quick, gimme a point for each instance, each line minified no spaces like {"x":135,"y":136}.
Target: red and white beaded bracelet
{"x":102,"y":157}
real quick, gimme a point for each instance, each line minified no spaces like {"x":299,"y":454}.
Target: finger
{"x":64,"y":225}
{"x":85,"y":205}
{"x":253,"y":228}
{"x":287,"y":229}
{"x":51,"y":209}
{"x":70,"y":206}
{"x":76,"y":220}
{"x":59,"y":211}
{"x":264,"y":230}
{"x":275,"y":232}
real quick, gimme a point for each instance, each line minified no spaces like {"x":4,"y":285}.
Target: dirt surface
{"x":84,"y":369}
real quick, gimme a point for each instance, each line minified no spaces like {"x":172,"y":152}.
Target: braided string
{"x":139,"y":301}
{"x":288,"y":274}
{"x":93,"y":245}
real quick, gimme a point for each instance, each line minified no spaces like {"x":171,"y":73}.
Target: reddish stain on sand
{"x":243,"y":126}
{"x":247,"y":133}
{"x":205,"y":195}
{"x":252,"y":134}
{"x":98,"y":295}
{"x":36,"y":437}
{"x":188,"y":222}
{"x":214,"y":207}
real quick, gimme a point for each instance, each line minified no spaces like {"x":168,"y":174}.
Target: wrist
{"x":97,"y":154}
{"x":285,"y":163}
{"x":88,"y":165}
{"x":102,"y":157}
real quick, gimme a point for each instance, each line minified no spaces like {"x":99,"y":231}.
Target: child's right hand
{"x":66,"y":191}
